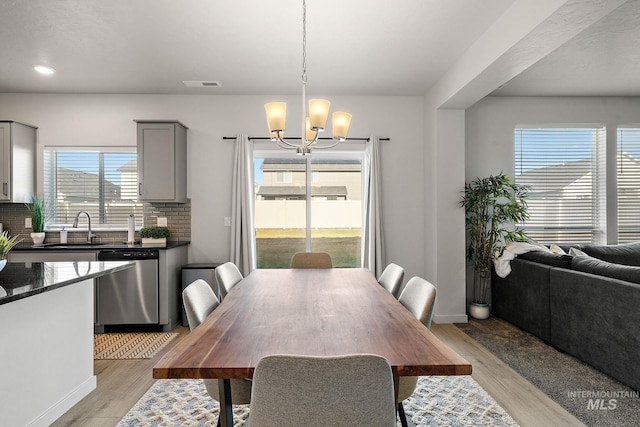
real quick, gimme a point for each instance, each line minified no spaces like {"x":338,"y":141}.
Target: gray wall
{"x":108,"y":120}
{"x":490,"y":124}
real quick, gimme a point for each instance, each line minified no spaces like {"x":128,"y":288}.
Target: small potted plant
{"x":6,"y":244}
{"x":493,"y":206}
{"x":37,"y":211}
{"x":154,"y":235}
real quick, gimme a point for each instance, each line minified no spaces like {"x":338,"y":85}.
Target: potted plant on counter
{"x":6,"y":244}
{"x":493,"y":206}
{"x":154,"y":235}
{"x":37,"y":209}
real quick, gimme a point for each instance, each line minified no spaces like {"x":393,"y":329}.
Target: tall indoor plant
{"x":493,"y":206}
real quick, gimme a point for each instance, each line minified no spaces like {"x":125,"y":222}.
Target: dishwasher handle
{"x":128,"y":255}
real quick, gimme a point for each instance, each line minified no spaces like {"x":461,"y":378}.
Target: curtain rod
{"x":328,"y":139}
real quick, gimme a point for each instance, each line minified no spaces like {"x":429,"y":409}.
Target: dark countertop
{"x":28,"y":246}
{"x":20,"y":280}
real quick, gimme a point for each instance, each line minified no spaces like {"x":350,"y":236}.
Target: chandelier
{"x":314,"y":117}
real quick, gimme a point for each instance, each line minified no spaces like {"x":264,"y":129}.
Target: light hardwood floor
{"x":121,"y":383}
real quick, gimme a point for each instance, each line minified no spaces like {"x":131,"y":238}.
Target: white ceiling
{"x":354,"y":47}
{"x":603,"y":60}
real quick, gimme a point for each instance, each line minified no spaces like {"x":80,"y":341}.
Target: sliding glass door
{"x":311,"y":203}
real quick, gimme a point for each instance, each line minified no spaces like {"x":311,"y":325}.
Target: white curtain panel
{"x":243,"y":242}
{"x":373,"y":256}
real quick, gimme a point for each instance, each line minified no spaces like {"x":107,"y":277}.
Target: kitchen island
{"x":46,"y":339}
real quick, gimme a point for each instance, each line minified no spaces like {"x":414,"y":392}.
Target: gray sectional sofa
{"x":586,"y":306}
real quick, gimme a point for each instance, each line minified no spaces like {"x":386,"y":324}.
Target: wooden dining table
{"x":317,"y":312}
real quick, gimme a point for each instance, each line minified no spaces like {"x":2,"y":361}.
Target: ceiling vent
{"x":199,"y":83}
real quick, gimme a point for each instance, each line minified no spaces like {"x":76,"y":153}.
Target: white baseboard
{"x":67,"y":402}
{"x":454,"y":318}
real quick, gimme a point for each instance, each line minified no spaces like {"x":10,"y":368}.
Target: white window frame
{"x":628,"y":183}
{"x":591,"y":226}
{"x":356,"y":152}
{"x":51,"y":224}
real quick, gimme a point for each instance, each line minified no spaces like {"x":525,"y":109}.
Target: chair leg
{"x":403,"y":417}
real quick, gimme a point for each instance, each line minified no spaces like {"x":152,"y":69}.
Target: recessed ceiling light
{"x":43,"y":69}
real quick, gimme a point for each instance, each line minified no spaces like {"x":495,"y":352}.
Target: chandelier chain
{"x":304,"y":41}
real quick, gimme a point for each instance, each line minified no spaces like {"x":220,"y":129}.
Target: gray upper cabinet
{"x":162,"y":161}
{"x":17,"y":161}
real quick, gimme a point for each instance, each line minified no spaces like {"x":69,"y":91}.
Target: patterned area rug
{"x":437,"y":401}
{"x":130,"y":345}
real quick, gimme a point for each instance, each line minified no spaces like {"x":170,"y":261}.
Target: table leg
{"x":396,"y":385}
{"x":226,"y":408}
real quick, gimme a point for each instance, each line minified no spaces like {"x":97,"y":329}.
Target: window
{"x":101,"y":181}
{"x":284,"y":177}
{"x":628,"y":172}
{"x":565,"y":169}
{"x":287,"y":221}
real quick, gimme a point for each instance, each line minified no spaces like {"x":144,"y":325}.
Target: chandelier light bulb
{"x":318,"y":113}
{"x":341,"y":122}
{"x":276,"y":116}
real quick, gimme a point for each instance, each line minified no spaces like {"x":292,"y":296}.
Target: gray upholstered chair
{"x":418,"y":296}
{"x":227,"y":276}
{"x":351,"y":390}
{"x":311,"y":260}
{"x":391,"y":278}
{"x":199,"y":301}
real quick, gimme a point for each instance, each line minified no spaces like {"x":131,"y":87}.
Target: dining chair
{"x":311,"y":260}
{"x":418,"y":296}
{"x":227,"y":276}
{"x":391,"y":278}
{"x":199,"y":301}
{"x":349,"y":390}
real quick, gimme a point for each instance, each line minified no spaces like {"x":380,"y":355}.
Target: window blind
{"x":100,"y":180}
{"x":628,"y":173}
{"x":565,"y":170}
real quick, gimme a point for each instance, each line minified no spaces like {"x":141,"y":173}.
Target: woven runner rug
{"x":437,"y":401}
{"x":130,"y":345}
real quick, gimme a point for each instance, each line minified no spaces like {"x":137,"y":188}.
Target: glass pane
{"x":336,"y":209}
{"x":280,"y":210}
{"x":102,"y":183}
{"x":564,"y":168}
{"x":628,"y":170}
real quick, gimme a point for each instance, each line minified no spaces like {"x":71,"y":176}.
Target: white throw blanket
{"x":503,"y":262}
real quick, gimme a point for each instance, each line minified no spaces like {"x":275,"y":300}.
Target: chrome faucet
{"x":90,"y":236}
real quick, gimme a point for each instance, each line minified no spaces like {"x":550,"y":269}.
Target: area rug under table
{"x":437,"y":401}
{"x":130,"y":345}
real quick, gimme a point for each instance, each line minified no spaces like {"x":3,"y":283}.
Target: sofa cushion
{"x":607,"y":269}
{"x":547,"y":258}
{"x":628,"y":254}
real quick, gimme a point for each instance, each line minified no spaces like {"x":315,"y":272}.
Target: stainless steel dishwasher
{"x":128,"y":297}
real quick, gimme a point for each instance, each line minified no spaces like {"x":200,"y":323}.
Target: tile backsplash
{"x":178,"y":216}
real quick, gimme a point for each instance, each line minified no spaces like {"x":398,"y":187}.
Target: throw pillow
{"x":547,"y":258}
{"x":577,"y":252}
{"x":555,"y":249}
{"x":627,"y":254}
{"x":596,"y":266}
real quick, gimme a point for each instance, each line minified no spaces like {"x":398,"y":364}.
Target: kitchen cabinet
{"x":17,"y":161}
{"x":162,"y":161}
